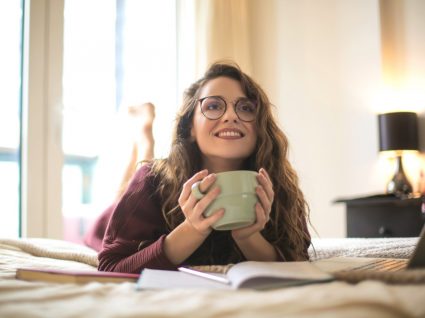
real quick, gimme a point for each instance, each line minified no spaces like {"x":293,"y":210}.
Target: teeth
{"x":229,"y":134}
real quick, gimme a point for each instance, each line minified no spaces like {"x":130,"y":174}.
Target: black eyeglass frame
{"x":200,"y":100}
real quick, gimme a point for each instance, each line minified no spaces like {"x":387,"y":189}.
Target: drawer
{"x":384,"y":221}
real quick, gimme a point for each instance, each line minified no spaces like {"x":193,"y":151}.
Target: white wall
{"x":320,"y":62}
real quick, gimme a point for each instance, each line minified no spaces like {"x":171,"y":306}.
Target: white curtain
{"x":211,"y":30}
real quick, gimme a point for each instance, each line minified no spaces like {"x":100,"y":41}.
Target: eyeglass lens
{"x":214,"y":107}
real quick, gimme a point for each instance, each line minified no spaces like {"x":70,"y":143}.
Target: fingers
{"x":265,"y":195}
{"x":217,"y":215}
{"x":187,"y":186}
{"x":261,"y":220}
{"x":197,"y":217}
{"x":194,"y":208}
{"x":265,"y":181}
{"x":265,"y":192}
{"x":202,"y":204}
{"x":188,"y":199}
{"x":264,"y":200}
{"x":262,"y":215}
{"x":207,"y":182}
{"x":195,"y":214}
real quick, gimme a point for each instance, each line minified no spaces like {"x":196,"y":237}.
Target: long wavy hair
{"x":289,"y":211}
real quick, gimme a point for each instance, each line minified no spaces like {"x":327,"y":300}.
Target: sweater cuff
{"x":163,"y":260}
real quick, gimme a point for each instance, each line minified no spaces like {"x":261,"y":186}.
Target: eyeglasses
{"x":214,"y":107}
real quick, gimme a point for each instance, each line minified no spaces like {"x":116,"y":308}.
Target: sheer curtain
{"x":209,"y":31}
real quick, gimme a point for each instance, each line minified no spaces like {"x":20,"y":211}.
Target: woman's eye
{"x":213,"y":106}
{"x":246,"y":106}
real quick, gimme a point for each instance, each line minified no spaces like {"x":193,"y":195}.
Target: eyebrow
{"x":222,"y":97}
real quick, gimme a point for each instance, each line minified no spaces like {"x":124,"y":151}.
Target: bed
{"x":369,"y":298}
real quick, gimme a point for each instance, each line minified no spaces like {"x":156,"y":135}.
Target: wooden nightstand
{"x":384,"y":216}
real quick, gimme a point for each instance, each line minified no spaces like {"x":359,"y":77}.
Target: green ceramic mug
{"x":237,"y":197}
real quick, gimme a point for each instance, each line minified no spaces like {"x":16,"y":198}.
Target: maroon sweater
{"x":134,"y":237}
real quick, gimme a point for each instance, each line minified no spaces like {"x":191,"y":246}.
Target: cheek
{"x":200,"y":127}
{"x":255,"y":138}
{"x":253,"y":131}
{"x":195,"y":125}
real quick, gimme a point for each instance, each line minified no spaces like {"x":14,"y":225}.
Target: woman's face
{"x":225,"y":142}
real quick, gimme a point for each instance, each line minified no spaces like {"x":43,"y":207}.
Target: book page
{"x":162,"y":279}
{"x":219,"y":277}
{"x":266,"y":274}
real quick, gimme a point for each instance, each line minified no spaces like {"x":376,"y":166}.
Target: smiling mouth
{"x":229,"y":134}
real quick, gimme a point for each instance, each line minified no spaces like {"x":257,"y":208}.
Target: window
{"x":115,"y":52}
{"x":10,"y":82}
{"x":127,"y":56}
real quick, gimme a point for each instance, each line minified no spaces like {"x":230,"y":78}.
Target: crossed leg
{"x":141,"y":118}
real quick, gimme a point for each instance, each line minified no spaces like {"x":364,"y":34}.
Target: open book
{"x":255,"y":275}
{"x":73,"y":276}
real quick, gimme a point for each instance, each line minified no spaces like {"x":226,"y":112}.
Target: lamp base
{"x":399,"y":185}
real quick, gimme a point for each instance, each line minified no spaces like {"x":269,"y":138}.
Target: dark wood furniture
{"x":384,"y":216}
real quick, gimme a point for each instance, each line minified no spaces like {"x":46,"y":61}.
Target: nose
{"x":230,"y":114}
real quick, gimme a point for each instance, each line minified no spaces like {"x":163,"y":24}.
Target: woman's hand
{"x":193,"y":209}
{"x":263,"y":207}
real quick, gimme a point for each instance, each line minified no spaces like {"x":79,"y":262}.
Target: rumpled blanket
{"x":335,"y":299}
{"x":401,"y":247}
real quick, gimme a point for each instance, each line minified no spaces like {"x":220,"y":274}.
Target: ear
{"x":192,"y":134}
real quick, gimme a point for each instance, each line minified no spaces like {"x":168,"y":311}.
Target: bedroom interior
{"x":331,"y":68}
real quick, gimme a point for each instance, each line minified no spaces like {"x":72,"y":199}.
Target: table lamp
{"x":398,"y":132}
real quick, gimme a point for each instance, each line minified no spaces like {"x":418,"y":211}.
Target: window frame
{"x":41,"y":155}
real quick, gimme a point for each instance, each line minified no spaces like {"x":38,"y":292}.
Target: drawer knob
{"x":383,"y":231}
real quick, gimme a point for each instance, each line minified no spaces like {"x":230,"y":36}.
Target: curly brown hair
{"x":289,"y":211}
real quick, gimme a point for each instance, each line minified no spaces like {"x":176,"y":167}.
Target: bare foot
{"x":142,"y":116}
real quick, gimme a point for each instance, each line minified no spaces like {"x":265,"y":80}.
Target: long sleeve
{"x":94,"y":236}
{"x":134,"y":238}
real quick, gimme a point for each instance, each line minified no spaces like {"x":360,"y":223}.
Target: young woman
{"x":225,"y":124}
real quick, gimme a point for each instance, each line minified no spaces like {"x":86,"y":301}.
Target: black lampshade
{"x":398,"y":131}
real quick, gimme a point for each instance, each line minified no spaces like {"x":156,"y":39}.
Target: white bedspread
{"x":336,"y":299}
{"x":400,"y":247}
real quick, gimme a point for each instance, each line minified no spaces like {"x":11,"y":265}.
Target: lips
{"x":229,"y":133}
